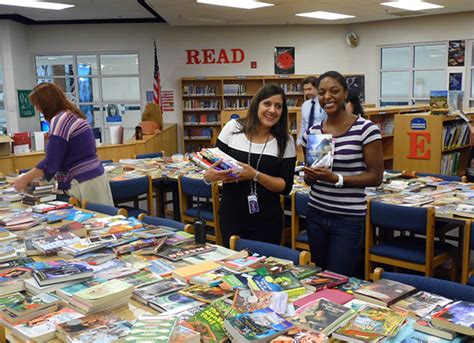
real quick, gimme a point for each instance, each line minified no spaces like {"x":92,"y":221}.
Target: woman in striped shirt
{"x":337,"y":203}
{"x":70,"y":152}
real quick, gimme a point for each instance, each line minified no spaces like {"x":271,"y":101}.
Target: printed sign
{"x":418,"y":124}
{"x":167,"y":101}
{"x":25,"y":107}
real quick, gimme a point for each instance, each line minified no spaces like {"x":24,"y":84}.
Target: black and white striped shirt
{"x":348,"y":161}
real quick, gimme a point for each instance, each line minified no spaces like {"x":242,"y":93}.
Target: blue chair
{"x":467,"y":276}
{"x":270,"y":249}
{"x":157,"y":221}
{"x":151,"y":155}
{"x":445,"y":288}
{"x":299,"y":207}
{"x":130,"y":190}
{"x":189,"y":190}
{"x":105,"y":209}
{"x":422,"y":254}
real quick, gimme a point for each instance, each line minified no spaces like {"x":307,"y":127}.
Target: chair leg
{"x":368,"y":268}
{"x":453,"y":268}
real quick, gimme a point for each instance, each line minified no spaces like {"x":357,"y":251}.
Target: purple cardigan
{"x":70,"y":151}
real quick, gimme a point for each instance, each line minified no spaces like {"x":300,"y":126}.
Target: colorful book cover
{"x":377,"y":321}
{"x":279,"y":282}
{"x":458,"y":317}
{"x":384,"y":292}
{"x":33,"y":303}
{"x":68,"y":291}
{"x":57,"y":273}
{"x":10,"y":300}
{"x":209,"y":323}
{"x":320,"y":150}
{"x":408,"y":334}
{"x":246,"y":300}
{"x":352,"y":284}
{"x":323,"y":280}
{"x":205,"y":293}
{"x":334,"y":295}
{"x":439,"y":99}
{"x":103,"y":290}
{"x":176,"y":253}
{"x":303,"y":272}
{"x":300,"y":335}
{"x":103,"y":327}
{"x":157,"y":329}
{"x":142,"y":279}
{"x":421,"y":303}
{"x":158,"y":288}
{"x":263,"y":324}
{"x":323,"y":316}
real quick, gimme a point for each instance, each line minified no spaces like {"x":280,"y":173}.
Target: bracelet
{"x":255,"y":178}
{"x":206,"y":182}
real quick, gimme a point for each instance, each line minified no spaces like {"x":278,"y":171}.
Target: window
{"x":106,"y":87}
{"x":409,"y":73}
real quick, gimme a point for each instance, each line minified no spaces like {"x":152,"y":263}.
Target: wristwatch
{"x":340,"y":181}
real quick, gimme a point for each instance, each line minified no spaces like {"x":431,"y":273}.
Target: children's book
{"x":103,"y":327}
{"x":210,"y":323}
{"x":299,"y":335}
{"x":439,"y":99}
{"x":258,"y":326}
{"x":351,"y":285}
{"x":320,"y":150}
{"x":248,"y":300}
{"x":457,"y":317}
{"x":384,"y":292}
{"x":279,"y":282}
{"x":421,"y":303}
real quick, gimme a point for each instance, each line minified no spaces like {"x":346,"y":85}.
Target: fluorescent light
{"x":325,"y":15}
{"x":35,"y":4}
{"x":411,"y":5}
{"x":247,"y":4}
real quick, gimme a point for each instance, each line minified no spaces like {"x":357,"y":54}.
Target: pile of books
{"x":208,"y":156}
{"x":38,"y":191}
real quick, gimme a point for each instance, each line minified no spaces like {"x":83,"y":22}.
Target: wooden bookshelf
{"x":384,"y":118}
{"x":431,"y":144}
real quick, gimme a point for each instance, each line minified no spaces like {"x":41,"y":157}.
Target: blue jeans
{"x":335,"y":240}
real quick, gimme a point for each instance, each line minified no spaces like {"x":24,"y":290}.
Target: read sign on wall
{"x":215,"y":56}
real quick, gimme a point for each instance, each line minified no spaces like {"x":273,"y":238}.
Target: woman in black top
{"x":250,"y":205}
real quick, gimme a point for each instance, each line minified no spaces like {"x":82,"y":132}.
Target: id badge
{"x":253,"y":203}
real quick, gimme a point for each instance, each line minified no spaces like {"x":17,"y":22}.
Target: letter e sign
{"x":418,"y":145}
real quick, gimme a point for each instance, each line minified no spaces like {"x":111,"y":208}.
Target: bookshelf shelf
{"x":201,"y":109}
{"x":201,"y":96}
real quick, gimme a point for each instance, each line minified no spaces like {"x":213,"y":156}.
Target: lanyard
{"x":253,"y":183}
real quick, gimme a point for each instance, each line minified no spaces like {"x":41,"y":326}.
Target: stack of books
{"x":38,"y":191}
{"x":105,"y":296}
{"x":208,"y":156}
{"x":49,"y":273}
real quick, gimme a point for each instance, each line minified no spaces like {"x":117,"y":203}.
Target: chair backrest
{"x":162,"y":222}
{"x":126,"y":190}
{"x":195,"y":187}
{"x":445,"y":288}
{"x":101,"y":208}
{"x":396,"y":217}
{"x":151,"y":155}
{"x":301,"y":203}
{"x":442,"y":176}
{"x":267,"y":249}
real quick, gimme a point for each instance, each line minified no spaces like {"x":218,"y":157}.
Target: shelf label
{"x":418,"y":124}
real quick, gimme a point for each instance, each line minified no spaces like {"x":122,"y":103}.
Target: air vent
{"x":406,"y":13}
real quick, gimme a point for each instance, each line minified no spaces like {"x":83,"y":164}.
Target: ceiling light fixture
{"x":246,"y":4}
{"x":411,"y":5}
{"x":325,"y":15}
{"x":35,"y":4}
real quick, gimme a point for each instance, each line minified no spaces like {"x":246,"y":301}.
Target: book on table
{"x":144,"y":294}
{"x":13,"y":279}
{"x":334,"y":295}
{"x":58,"y":272}
{"x":280,"y":282}
{"x":384,"y":292}
{"x":206,"y":294}
{"x":456,"y":317}
{"x":103,"y":293}
{"x":148,"y":328}
{"x":173,"y":302}
{"x":257,"y":326}
{"x":297,"y":334}
{"x":424,"y":325}
{"x":421,"y":303}
{"x":325,"y":279}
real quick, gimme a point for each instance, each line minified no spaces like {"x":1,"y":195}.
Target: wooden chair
{"x":269,"y":249}
{"x":445,"y":288}
{"x":299,"y":207}
{"x":190,"y":189}
{"x":104,"y":209}
{"x":130,"y":190}
{"x":468,"y":245}
{"x":422,"y":254}
{"x":166,"y":223}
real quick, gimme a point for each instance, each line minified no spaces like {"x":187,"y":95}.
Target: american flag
{"x":156,"y":80}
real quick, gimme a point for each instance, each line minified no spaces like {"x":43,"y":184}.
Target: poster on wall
{"x":113,"y":114}
{"x":25,"y":107}
{"x":284,"y":60}
{"x":356,"y":84}
{"x":455,"y":81}
{"x":167,"y":101}
{"x":456,"y":53}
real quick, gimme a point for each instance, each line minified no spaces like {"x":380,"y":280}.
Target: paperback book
{"x":421,"y":303}
{"x":176,"y":253}
{"x":457,"y":317}
{"x":173,"y":302}
{"x":148,"y":328}
{"x":325,"y":279}
{"x":279,"y":282}
{"x":205,"y":294}
{"x":384,"y":292}
{"x":299,"y":335}
{"x":320,"y":150}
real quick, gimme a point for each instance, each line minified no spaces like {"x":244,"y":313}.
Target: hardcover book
{"x":258,"y":326}
{"x":384,"y":292}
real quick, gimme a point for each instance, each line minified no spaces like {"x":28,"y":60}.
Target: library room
{"x":236,"y":171}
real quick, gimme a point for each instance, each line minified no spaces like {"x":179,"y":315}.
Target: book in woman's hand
{"x":320,"y":150}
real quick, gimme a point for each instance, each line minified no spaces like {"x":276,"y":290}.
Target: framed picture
{"x":284,"y":60}
{"x":357,"y":84}
{"x":455,"y":81}
{"x":456,"y":53}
